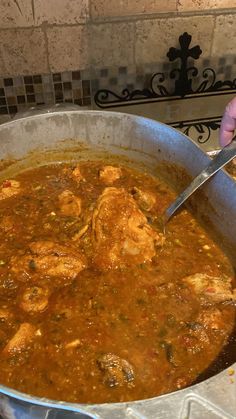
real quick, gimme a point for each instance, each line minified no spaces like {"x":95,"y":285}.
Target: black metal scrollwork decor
{"x":201,"y":127}
{"x":184,"y":76}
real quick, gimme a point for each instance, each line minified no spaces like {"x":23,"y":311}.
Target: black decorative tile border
{"x":18,"y":93}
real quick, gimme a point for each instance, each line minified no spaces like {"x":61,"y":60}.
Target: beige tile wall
{"x":200,"y":27}
{"x":16,"y":13}
{"x":61,"y":12}
{"x":104,"y":8}
{"x":224,"y":40}
{"x":186,"y":5}
{"x":67,"y":47}
{"x":38,"y":36}
{"x":23,"y":51}
{"x":112,"y":44}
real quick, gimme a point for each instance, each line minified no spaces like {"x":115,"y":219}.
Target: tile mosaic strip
{"x":18,"y":93}
{"x":80,"y":86}
{"x":138,"y":77}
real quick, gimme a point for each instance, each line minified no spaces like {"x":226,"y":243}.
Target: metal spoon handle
{"x":224,"y":157}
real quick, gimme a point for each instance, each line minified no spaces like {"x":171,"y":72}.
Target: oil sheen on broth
{"x":96,"y":305}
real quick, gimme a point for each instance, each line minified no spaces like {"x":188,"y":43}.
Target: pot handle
{"x":44,"y":109}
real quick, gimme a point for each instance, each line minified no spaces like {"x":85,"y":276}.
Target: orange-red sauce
{"x":141,"y":313}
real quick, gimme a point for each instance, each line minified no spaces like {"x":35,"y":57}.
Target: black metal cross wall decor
{"x":183,"y":88}
{"x":183,"y":84}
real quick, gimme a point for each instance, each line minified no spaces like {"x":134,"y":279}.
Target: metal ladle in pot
{"x":225,"y":156}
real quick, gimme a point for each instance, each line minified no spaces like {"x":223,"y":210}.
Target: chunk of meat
{"x":196,"y":340}
{"x":145,"y":199}
{"x":109,"y":174}
{"x":215,"y":289}
{"x":70,"y":204}
{"x":116,"y":371}
{"x":46,"y":247}
{"x":74,"y":174}
{"x":34,"y":299}
{"x":9,"y":188}
{"x":120,"y":232}
{"x":212,"y":318}
{"x":50,"y":259}
{"x":21,"y":339}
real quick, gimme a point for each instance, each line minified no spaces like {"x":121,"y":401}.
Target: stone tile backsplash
{"x":68,"y":47}
{"x":63,"y":51}
{"x":79,"y":87}
{"x":112,"y":44}
{"x":103,"y":8}
{"x":16,"y":14}
{"x":190,"y":5}
{"x":224,"y":39}
{"x":40,"y":36}
{"x":23,"y":51}
{"x":59,"y":12}
{"x":161,"y":33}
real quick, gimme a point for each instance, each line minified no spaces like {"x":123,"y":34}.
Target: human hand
{"x":228,"y":123}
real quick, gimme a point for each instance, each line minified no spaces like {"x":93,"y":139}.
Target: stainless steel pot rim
{"x":81,"y":407}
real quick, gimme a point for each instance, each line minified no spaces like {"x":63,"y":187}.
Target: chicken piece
{"x":51,"y":259}
{"x":21,"y":339}
{"x":120,"y":232}
{"x":212,"y":318}
{"x":9,"y":188}
{"x":34,"y":299}
{"x":214,"y":289}
{"x":109,"y":174}
{"x":76,"y":174}
{"x":117,"y":371}
{"x":195,"y":340}
{"x":145,"y":199}
{"x":45,"y":248}
{"x":70,"y":204}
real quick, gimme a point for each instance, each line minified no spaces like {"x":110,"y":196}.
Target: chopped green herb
{"x":123,"y":317}
{"x":32,"y":264}
{"x":168,"y":347}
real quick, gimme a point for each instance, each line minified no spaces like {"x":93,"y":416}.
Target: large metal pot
{"x":152,"y":143}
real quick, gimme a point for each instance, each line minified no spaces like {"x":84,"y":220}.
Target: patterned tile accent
{"x":138,"y":77}
{"x":18,"y":93}
{"x":79,"y":86}
{"x":119,"y":78}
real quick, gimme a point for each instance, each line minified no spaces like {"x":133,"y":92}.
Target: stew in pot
{"x":96,"y":304}
{"x":231,"y":169}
